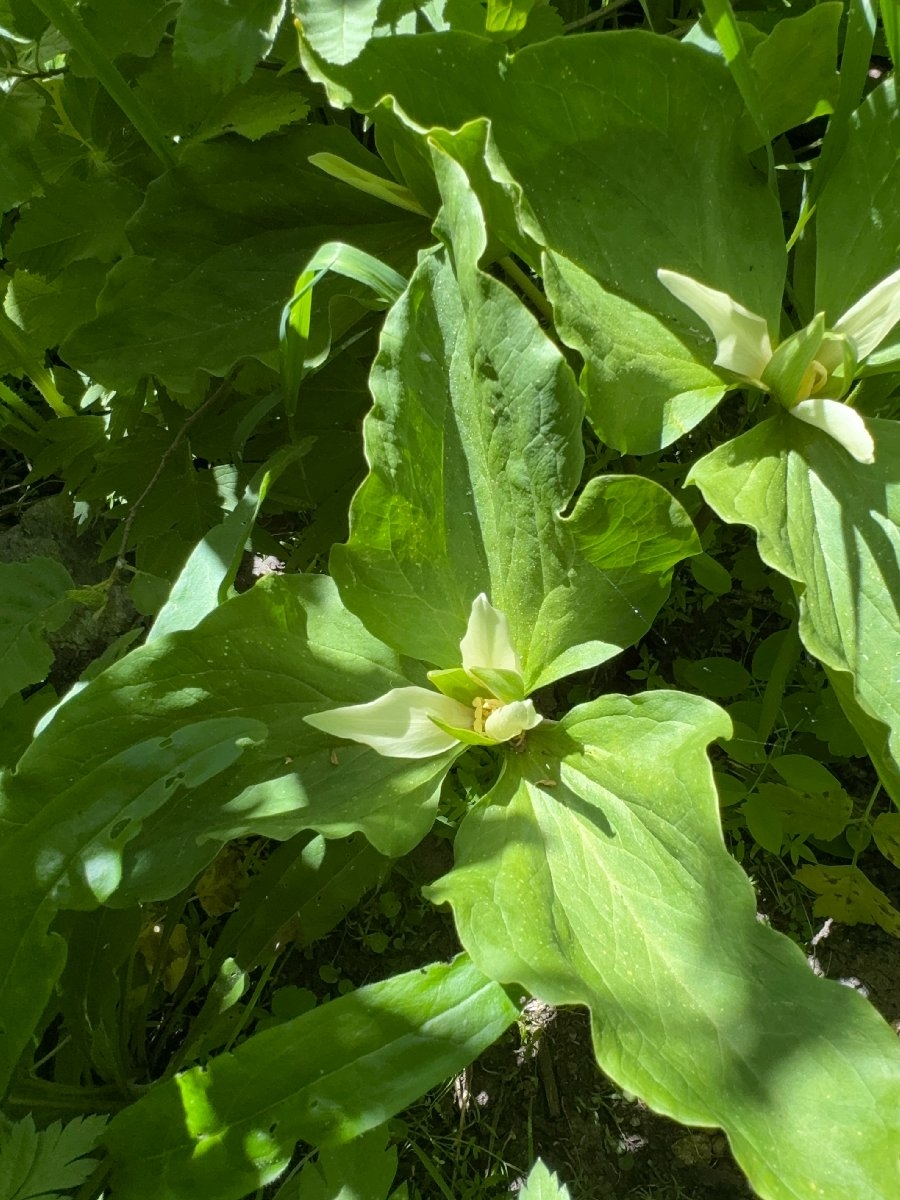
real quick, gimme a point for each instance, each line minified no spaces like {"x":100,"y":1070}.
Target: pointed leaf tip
{"x":840,"y":422}
{"x":742,"y":337}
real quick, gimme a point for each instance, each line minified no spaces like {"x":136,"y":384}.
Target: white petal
{"x":742,"y":337}
{"x":873,"y":317}
{"x":487,"y":642}
{"x":512,"y":719}
{"x":397,"y":724}
{"x":844,"y":424}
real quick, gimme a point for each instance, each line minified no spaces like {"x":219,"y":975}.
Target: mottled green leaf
{"x":183,"y":745}
{"x":474,"y":448}
{"x":832,"y":526}
{"x":599,"y":147}
{"x":642,"y":381}
{"x":595,"y":873}
{"x":848,"y":896}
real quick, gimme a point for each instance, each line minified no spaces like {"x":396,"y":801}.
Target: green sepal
{"x":837,"y":357}
{"x":785,"y":374}
{"x":456,"y":683}
{"x":467,"y":736}
{"x":462,"y":685}
{"x":505,"y":685}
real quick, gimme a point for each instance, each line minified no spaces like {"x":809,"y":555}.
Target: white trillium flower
{"x":743,"y":346}
{"x":481,"y":702}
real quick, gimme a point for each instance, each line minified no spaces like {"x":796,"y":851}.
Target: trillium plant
{"x":481,"y":702}
{"x":479,"y":441}
{"x":811,"y":371}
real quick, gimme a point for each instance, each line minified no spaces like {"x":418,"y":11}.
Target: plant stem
{"x":865,"y":818}
{"x":527,"y":286}
{"x":84,"y":42}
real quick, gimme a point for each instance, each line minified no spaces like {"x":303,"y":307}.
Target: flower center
{"x":814,"y":378}
{"x":483,"y":709}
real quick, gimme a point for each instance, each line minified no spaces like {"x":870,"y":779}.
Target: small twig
{"x":221,"y":390}
{"x":598,"y":15}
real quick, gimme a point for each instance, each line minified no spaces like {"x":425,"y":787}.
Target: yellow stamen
{"x":814,"y":378}
{"x":483,"y":709}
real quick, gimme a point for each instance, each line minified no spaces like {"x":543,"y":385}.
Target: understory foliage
{"x":474,"y":320}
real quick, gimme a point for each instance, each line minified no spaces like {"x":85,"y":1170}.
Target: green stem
{"x":254,"y":1000}
{"x":527,"y":287}
{"x":39,"y":375}
{"x":788,"y":653}
{"x":82,"y":41}
{"x":42,"y":1095}
{"x":865,"y":818}
{"x":22,"y":410}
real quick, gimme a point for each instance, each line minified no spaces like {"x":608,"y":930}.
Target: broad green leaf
{"x":183,"y":745}
{"x":325,"y":1077}
{"x":802,"y":49}
{"x":48,"y":311}
{"x":33,"y":601}
{"x":595,"y":873}
{"x":577,"y":134}
{"x":507,"y":16}
{"x":542,"y":1184}
{"x":21,"y":356}
{"x":98,"y":62}
{"x":211,"y":569}
{"x":218,"y":247}
{"x":809,"y":814}
{"x":337,"y":30}
{"x":73,"y":220}
{"x":128,"y":26}
{"x":363,"y":1169}
{"x":21,"y":110}
{"x":643,"y":384}
{"x":474,"y":448}
{"x":602,"y":141}
{"x":188,"y":109}
{"x":832,"y":526}
{"x":858,"y":221}
{"x":18,"y":718}
{"x":224,"y":38}
{"x":713,"y":677}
